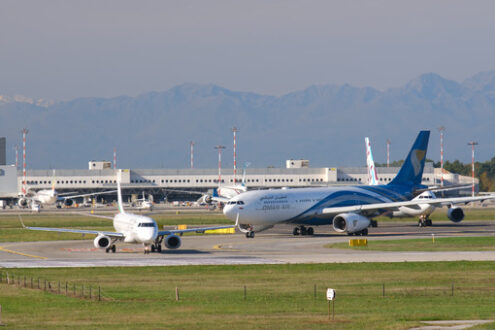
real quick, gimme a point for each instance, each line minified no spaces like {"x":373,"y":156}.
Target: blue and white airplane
{"x":348,"y":209}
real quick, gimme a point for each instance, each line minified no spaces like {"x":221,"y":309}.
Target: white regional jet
{"x":132,"y":228}
{"x":422,"y":210}
{"x":349,"y":209}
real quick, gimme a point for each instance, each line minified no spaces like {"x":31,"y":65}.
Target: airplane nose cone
{"x":148,"y":235}
{"x":229,"y":211}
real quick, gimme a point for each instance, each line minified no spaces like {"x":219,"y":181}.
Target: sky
{"x":67,"y":49}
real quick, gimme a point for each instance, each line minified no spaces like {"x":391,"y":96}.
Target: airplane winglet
{"x":22,"y":222}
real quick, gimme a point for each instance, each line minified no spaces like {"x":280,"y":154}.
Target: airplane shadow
{"x":178,"y":251}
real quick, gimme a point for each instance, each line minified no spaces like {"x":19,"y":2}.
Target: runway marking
{"x":20,"y":253}
{"x":220,"y":247}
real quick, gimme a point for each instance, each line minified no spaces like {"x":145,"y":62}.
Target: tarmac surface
{"x":273,"y":246}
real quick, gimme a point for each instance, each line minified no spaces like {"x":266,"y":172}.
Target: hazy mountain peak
{"x":431,"y":86}
{"x":24,"y":99}
{"x":482,"y":81}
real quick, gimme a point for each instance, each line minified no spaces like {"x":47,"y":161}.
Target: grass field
{"x":278,"y":296}
{"x":425,"y":244}
{"x":12,"y":231}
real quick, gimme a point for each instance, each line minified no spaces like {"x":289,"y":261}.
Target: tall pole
{"x":16,"y":148}
{"x":441,"y":129}
{"x":472,"y":144}
{"x":192,"y":154}
{"x":235,"y":130}
{"x":24,"y":133}
{"x":388,"y":152}
{"x":219,"y":148}
{"x":114,"y":158}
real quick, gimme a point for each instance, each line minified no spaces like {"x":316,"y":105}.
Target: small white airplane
{"x":348,"y":209}
{"x":143,"y":203}
{"x":423,"y":211}
{"x":36,"y":199}
{"x":132,"y":228}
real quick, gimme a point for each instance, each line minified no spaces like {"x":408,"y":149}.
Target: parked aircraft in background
{"x":132,"y":228}
{"x":422,"y":210}
{"x":36,"y":199}
{"x":348,"y":209}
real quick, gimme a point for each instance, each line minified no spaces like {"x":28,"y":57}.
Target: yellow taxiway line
{"x":20,"y":253}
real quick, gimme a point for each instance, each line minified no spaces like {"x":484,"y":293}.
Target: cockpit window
{"x":235,"y":202}
{"x":146,"y":224}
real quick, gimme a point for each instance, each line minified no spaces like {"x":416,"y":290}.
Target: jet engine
{"x":68,"y":202}
{"x":22,"y":202}
{"x":455,"y":214}
{"x":172,"y":242}
{"x":351,"y":223}
{"x":102,"y":241}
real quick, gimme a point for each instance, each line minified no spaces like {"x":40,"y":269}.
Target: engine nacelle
{"x":102,"y":241}
{"x":22,"y":202}
{"x":68,"y":202}
{"x":350,"y":223}
{"x":172,"y":242}
{"x":455,"y":214}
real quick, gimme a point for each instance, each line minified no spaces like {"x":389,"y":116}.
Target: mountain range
{"x":323,"y":123}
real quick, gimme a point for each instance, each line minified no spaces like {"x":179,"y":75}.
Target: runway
{"x":275,"y":246}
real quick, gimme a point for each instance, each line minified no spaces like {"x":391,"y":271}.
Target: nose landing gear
{"x":111,"y":248}
{"x":250,"y":234}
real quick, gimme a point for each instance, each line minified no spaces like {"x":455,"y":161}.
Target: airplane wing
{"x":438,"y":202}
{"x":200,"y":230}
{"x":75,"y":231}
{"x":78,"y":231}
{"x":96,"y":216}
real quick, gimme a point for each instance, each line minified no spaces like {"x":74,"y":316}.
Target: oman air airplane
{"x":422,"y":210}
{"x":132,"y":228}
{"x":349,"y":209}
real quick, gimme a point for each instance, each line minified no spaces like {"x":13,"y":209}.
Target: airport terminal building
{"x":169,"y":182}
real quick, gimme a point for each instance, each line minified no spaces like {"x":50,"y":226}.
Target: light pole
{"x":388,"y":152}
{"x":472,"y":144}
{"x":441,"y":129}
{"x":235,"y":130}
{"x":192,"y":154}
{"x":219,"y":148}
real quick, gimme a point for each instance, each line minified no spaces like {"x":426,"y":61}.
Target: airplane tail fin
{"x":411,"y":172}
{"x":215,"y":192}
{"x":119,"y":193}
{"x":372,"y":177}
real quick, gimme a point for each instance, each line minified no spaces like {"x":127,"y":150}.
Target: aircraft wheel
{"x":159,"y":248}
{"x":295,"y":232}
{"x":428,"y":223}
{"x":364,"y":232}
{"x":374,"y":223}
{"x":310,"y":231}
{"x":113,"y":248}
{"x":251,"y":234}
{"x":107,"y":250}
{"x":421,"y":223}
{"x":304,"y":230}
{"x":152,"y":248}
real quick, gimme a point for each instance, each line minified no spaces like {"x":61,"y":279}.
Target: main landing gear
{"x":111,"y":248}
{"x":250,"y":234}
{"x":424,"y":221}
{"x":303,"y":231}
{"x":363,"y":232}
